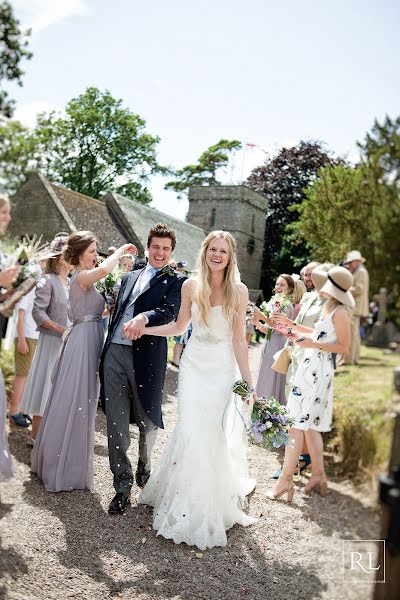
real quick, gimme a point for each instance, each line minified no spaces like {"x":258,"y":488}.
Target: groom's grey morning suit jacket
{"x":159,"y":302}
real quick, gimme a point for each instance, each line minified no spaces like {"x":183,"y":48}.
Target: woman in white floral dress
{"x":310,"y":401}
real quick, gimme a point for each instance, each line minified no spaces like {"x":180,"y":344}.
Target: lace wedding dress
{"x":198,"y":488}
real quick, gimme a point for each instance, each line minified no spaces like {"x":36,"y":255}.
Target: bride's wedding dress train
{"x":199,"y":487}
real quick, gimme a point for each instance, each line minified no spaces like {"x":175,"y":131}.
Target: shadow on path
{"x":122,"y":553}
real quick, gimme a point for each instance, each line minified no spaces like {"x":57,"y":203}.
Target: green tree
{"x":20,"y":153}
{"x":13,"y":49}
{"x":283,"y":180}
{"x":381,"y":149}
{"x":205,"y":171}
{"x":98,"y":145}
{"x":349,"y":208}
{"x":95,"y":146}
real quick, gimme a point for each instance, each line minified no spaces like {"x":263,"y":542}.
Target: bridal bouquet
{"x":277,"y":304}
{"x":110,"y":285}
{"x":270,"y":421}
{"x":27,"y":255}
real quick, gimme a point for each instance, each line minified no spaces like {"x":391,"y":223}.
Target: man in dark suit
{"x":132,"y":368}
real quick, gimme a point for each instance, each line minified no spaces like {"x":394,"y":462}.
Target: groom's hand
{"x":134,"y":328}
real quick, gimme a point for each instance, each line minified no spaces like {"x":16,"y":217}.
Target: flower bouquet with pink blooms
{"x":277,"y":304}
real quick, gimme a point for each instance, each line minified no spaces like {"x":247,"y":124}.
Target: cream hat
{"x":319,"y":278}
{"x":338,"y":284}
{"x":353,"y":255}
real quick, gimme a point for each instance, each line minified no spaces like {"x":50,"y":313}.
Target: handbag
{"x":282,"y":361}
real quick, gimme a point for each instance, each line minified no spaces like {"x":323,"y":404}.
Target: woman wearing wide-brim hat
{"x":310,"y":401}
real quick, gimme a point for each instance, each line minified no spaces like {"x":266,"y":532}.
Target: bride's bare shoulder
{"x":242,"y":289}
{"x":188,"y":286}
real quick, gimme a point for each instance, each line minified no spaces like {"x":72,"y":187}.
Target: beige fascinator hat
{"x":56,"y":247}
{"x":339,"y":281}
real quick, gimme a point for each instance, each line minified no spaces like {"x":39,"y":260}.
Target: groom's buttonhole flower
{"x":168,"y":270}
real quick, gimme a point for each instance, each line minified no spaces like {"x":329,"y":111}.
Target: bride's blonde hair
{"x":202,"y":293}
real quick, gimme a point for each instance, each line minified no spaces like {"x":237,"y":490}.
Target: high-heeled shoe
{"x":317,"y":482}
{"x":289,"y":490}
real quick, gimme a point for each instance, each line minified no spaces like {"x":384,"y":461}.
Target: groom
{"x":132,"y":368}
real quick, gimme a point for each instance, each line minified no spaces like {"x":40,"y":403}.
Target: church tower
{"x":239,"y":210}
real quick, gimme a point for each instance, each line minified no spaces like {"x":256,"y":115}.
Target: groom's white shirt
{"x":141,"y":285}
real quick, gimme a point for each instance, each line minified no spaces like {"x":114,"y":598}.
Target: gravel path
{"x":65,"y":545}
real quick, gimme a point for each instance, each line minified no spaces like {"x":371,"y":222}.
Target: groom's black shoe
{"x":141,"y":475}
{"x":119,"y":503}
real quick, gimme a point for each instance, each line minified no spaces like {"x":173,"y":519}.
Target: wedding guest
{"x":305,"y":274}
{"x":63,"y":452}
{"x":354,"y":262}
{"x":310,"y":402}
{"x":111,"y":250}
{"x":49,"y":312}
{"x":298,"y":293}
{"x":7,"y":278}
{"x":269,"y":382}
{"x":24,"y":350}
{"x":311,"y":307}
{"x":249,"y":323}
{"x":126,"y":262}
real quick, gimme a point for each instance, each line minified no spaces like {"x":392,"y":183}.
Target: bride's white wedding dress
{"x":199,"y":486}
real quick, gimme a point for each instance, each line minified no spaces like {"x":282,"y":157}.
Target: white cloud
{"x":26,"y":113}
{"x":39,"y":14}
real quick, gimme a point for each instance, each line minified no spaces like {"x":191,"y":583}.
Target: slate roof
{"x":93,"y":215}
{"x":141,"y":218}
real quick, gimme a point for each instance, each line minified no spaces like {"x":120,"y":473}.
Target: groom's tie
{"x":144,"y":280}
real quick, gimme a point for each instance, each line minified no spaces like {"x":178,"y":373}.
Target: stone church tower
{"x":239,"y":210}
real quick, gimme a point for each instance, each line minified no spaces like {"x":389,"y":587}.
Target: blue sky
{"x":266,"y":72}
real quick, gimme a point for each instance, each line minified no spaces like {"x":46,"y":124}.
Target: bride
{"x":199,"y":487}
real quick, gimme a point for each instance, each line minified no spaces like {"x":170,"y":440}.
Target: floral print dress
{"x":311,"y":398}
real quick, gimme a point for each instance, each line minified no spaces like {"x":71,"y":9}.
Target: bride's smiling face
{"x":217,"y":256}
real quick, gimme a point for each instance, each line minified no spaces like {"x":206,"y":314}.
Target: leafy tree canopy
{"x":283,"y":180}
{"x":95,"y":146}
{"x":205,"y":171}
{"x":13,"y":49}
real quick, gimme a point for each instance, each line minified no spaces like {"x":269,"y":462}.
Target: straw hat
{"x":319,"y":278}
{"x":353,"y":255}
{"x":339,"y":281}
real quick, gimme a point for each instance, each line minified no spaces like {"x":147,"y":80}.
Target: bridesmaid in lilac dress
{"x":269,"y":382}
{"x":63,"y":452}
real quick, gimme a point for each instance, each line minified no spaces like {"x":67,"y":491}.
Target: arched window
{"x":213,"y":215}
{"x":252,"y":223}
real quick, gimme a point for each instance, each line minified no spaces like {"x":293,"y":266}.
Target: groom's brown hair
{"x":161,"y":230}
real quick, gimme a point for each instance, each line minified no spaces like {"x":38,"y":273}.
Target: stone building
{"x":239,"y":210}
{"x":42,"y":208}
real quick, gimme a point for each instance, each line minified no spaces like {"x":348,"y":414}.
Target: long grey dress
{"x":269,"y":382}
{"x":63,"y":452}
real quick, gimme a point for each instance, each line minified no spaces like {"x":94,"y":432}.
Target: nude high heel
{"x":289,"y":490}
{"x":317,"y":482}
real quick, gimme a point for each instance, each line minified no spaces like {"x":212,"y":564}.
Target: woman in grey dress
{"x":269,"y":382}
{"x":63,"y":452}
{"x":7,"y":277}
{"x":50,"y":313}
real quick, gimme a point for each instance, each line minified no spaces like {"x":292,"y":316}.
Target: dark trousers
{"x":120,"y":395}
